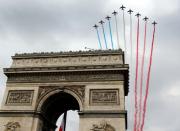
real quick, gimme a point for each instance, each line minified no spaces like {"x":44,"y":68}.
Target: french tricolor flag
{"x":63,"y":123}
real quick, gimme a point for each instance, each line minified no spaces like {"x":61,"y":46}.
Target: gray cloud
{"x":35,"y":26}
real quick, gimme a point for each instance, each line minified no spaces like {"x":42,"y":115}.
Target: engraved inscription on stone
{"x":20,"y":97}
{"x":104,"y":97}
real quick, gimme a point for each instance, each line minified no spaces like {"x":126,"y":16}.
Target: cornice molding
{"x":66,"y":68}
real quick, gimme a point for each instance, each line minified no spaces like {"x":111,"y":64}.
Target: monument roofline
{"x":77,"y":58}
{"x":67,"y":53}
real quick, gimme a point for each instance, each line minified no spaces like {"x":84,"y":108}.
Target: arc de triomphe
{"x":42,"y":86}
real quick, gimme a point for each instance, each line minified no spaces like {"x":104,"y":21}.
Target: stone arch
{"x":53,"y":103}
{"x":50,"y":93}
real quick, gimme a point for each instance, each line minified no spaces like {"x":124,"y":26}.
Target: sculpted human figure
{"x":12,"y":126}
{"x":103,"y":126}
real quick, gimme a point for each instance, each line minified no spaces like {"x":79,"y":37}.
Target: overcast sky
{"x":58,"y":25}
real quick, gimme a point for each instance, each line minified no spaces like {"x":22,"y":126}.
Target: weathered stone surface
{"x":68,"y":59}
{"x":103,"y":126}
{"x":19,"y":97}
{"x":78,"y":89}
{"x":114,"y":124}
{"x":64,"y":77}
{"x":16,"y":124}
{"x":12,"y":126}
{"x":104,"y":97}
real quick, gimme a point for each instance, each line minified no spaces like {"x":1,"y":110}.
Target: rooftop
{"x":67,"y":53}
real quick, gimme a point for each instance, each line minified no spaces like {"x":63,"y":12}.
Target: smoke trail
{"x":130,"y":17}
{"x":148,"y":78}
{"x":100,"y":45}
{"x":124,"y":31}
{"x":131,"y":39}
{"x":142,"y":75}
{"x":117,"y":34}
{"x":102,"y":22}
{"x":99,"y":41}
{"x":111,"y":35}
{"x":136,"y":76}
{"x":110,"y":32}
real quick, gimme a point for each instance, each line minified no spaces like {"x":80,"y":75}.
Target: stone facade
{"x":96,"y":80}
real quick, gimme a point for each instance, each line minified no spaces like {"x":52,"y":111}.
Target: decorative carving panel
{"x":63,"y":77}
{"x":12,"y":126}
{"x":104,"y":97}
{"x":102,"y":126}
{"x":68,"y":61}
{"x":20,"y":97}
{"x":78,"y":89}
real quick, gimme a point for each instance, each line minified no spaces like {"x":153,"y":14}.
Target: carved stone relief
{"x":63,"y":77}
{"x":20,"y":97}
{"x":77,"y":89}
{"x":67,"y":61}
{"x":12,"y":126}
{"x":44,"y":89}
{"x":104,"y":96}
{"x":103,"y":126}
{"x":60,"y":68}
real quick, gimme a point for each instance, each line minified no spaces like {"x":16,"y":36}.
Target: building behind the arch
{"x":93,"y":82}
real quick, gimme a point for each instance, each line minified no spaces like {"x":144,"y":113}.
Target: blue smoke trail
{"x":111,"y":35}
{"x":104,"y":36}
{"x":100,"y":45}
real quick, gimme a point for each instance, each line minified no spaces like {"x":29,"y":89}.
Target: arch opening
{"x":54,"y":107}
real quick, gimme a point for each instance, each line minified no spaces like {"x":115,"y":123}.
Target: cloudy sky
{"x":58,"y":25}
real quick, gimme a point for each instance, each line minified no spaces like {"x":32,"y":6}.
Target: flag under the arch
{"x":63,"y":123}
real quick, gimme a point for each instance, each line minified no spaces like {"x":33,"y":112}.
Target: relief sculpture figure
{"x":104,"y":126}
{"x":12,"y":126}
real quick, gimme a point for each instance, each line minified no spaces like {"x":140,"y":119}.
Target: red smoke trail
{"x":147,"y":81}
{"x":136,"y":78}
{"x":142,"y":75}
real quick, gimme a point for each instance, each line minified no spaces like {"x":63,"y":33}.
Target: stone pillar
{"x":104,"y":107}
